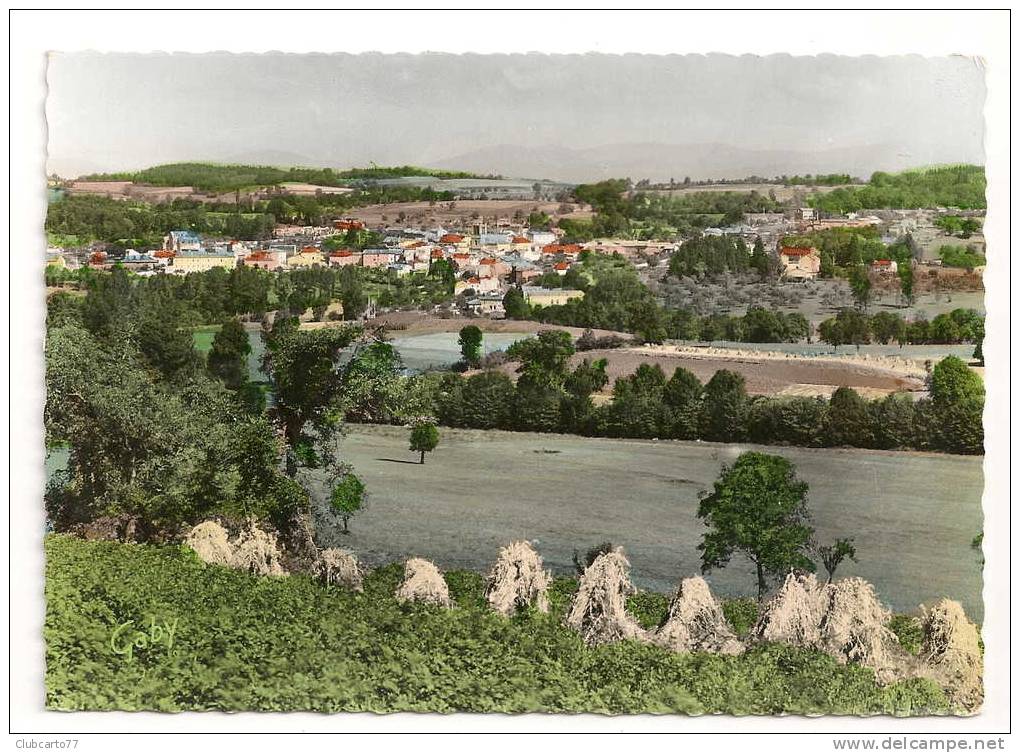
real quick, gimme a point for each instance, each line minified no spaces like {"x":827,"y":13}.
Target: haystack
{"x":794,"y":614}
{"x":853,"y":629}
{"x":696,"y":623}
{"x":423,"y":582}
{"x":952,"y":650}
{"x":338,"y":567}
{"x":599,"y":609}
{"x":257,"y":552}
{"x":211,"y":542}
{"x":844,"y":619}
{"x":517,"y":580}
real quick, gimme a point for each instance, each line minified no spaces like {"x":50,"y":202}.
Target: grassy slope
{"x":289,"y":644}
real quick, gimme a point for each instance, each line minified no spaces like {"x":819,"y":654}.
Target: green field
{"x":203,"y":337}
{"x":242,"y":643}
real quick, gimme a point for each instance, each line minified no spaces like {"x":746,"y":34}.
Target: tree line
{"x":205,"y":176}
{"x":550,"y":395}
{"x":960,"y":186}
{"x":853,"y":327}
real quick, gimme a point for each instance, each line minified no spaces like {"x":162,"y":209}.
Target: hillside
{"x":242,"y":643}
{"x":206,"y":176}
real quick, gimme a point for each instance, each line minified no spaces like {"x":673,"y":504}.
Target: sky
{"x":567,"y":117}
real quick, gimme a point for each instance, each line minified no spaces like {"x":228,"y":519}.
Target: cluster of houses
{"x":487,"y":262}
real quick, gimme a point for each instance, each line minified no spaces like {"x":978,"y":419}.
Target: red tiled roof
{"x":559,"y":248}
{"x":488,"y":261}
{"x":562,"y":265}
{"x":798,"y":251}
{"x":342,"y":253}
{"x":161,"y":254}
{"x":519,"y":239}
{"x":259,"y":256}
{"x":451,"y":238}
{"x":309,"y":250}
{"x":881,"y":263}
{"x":437,"y":253}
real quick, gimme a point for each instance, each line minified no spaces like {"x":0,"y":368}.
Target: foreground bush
{"x":269,"y":644}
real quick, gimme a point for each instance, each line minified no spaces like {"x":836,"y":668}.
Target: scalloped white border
{"x":661,"y":32}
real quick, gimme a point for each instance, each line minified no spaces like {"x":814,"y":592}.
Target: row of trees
{"x":852,"y":327}
{"x":206,"y":176}
{"x":961,"y":186}
{"x":551,"y":396}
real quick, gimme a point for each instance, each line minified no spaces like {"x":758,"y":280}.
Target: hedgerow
{"x":282,"y":644}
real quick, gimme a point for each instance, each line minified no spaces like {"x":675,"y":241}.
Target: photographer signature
{"x":127,"y":638}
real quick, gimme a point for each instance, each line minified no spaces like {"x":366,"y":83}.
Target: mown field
{"x":246,"y":643}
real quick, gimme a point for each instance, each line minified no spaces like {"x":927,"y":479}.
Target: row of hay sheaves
{"x":843,"y":619}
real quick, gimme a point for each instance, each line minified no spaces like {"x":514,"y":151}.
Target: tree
{"x":682,"y":396}
{"x":849,"y":419}
{"x":515,"y":305}
{"x":228,"y":357}
{"x":424,"y":438}
{"x":166,"y":346}
{"x":758,"y":507}
{"x":347,"y":496}
{"x":860,"y":286}
{"x":470,"y":342}
{"x":304,"y":372}
{"x":833,"y":555}
{"x":543,"y":358}
{"x":723,"y":407}
{"x":905,"y":271}
{"x":759,"y":259}
{"x":952,"y":381}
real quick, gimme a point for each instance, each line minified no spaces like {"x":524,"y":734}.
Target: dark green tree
{"x":228,"y":357}
{"x":470,"y":341}
{"x":850,"y":420}
{"x":758,"y":507}
{"x":424,"y":438}
{"x":723,"y":408}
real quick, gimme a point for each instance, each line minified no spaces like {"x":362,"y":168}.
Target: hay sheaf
{"x":854,"y":630}
{"x":599,"y":609}
{"x":258,"y":552}
{"x":843,"y":619}
{"x":696,"y":623}
{"x":338,"y":567}
{"x":517,"y":580}
{"x":423,"y":582}
{"x":952,"y":650}
{"x":211,"y":542}
{"x":794,"y":614}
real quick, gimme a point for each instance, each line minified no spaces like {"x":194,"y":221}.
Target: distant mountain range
{"x":660,"y":162}
{"x":657,"y":162}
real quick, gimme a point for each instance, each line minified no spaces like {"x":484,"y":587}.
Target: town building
{"x":309,"y":256}
{"x":270,"y":261}
{"x":182,"y":240}
{"x":186,"y":262}
{"x":884,"y":266}
{"x":800,"y":262}
{"x":537,"y":296}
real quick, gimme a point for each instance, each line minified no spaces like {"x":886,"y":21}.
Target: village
{"x":490,"y":256}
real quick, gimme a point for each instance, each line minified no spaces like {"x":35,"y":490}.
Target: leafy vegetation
{"x":960,"y":186}
{"x":851,"y":327}
{"x":206,"y":176}
{"x":642,"y":215}
{"x":243,"y":643}
{"x":964,"y":257}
